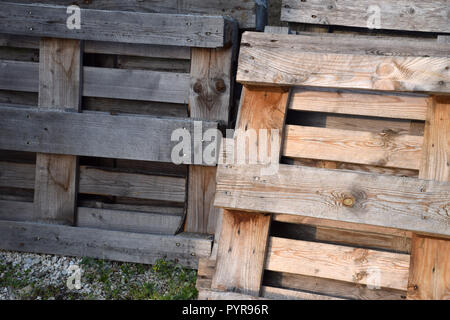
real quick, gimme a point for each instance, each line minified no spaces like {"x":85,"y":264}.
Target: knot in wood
{"x":220,"y":85}
{"x":198,"y":87}
{"x":349,"y":201}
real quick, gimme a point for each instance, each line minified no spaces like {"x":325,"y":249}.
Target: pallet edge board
{"x":380,"y":200}
{"x":51,"y":21}
{"x":410,"y":15}
{"x":103,"y":244}
{"x":113,"y":136}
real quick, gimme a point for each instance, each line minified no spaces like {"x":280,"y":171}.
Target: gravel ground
{"x":51,"y":277}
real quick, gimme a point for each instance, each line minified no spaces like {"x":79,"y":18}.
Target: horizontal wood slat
{"x":242,"y":11}
{"x":381,"y":200}
{"x":132,"y":221}
{"x":103,"y":244}
{"x":363,"y":266}
{"x":410,"y":15}
{"x":269,"y":59}
{"x":386,"y":148}
{"x":117,"y":26}
{"x":374,"y":104}
{"x":103,"y":182}
{"x":146,"y":85}
{"x":93,"y":134}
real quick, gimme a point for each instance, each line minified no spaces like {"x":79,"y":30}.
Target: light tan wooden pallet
{"x":376,"y":192}
{"x":148,"y":197}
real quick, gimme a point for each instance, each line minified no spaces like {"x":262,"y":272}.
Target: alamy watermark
{"x":73,"y":21}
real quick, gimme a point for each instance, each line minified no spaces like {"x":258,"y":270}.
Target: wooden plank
{"x":388,"y":105}
{"x":16,"y":210}
{"x":142,"y":85}
{"x":94,"y":134}
{"x":243,"y":237}
{"x":155,"y":64}
{"x":136,"y":84}
{"x":210,"y":98}
{"x":363,"y":266}
{"x":208,"y":294}
{"x":97,"y":181}
{"x":241,"y":252}
{"x":330,"y":287}
{"x":131,"y":49}
{"x":429,"y":277}
{"x":268,"y":59}
{"x":435,"y":164}
{"x":103,"y":182}
{"x":242,"y":11}
{"x":103,"y":244}
{"x":383,"y":149}
{"x":286,"y":294}
{"x":103,"y":25}
{"x":381,"y":200}
{"x":56,"y":178}
{"x":139,"y":222}
{"x":416,"y":15}
{"x":430,"y":258}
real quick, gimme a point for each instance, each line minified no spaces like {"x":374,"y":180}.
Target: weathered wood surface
{"x":410,"y":15}
{"x":104,"y":244}
{"x":430,"y":258}
{"x":388,"y":105}
{"x":363,"y":266}
{"x":330,"y":287}
{"x":241,"y":252}
{"x":383,"y":149}
{"x":16,"y":210}
{"x":286,"y":294}
{"x":268,"y":59}
{"x":145,"y":85}
{"x":131,"y":49}
{"x":56,"y":178}
{"x":116,"y":26}
{"x":429,"y":277}
{"x":93,"y":134}
{"x":242,"y":11}
{"x":435,"y":164}
{"x":381,"y":200}
{"x":210,"y":98}
{"x":103,"y":182}
{"x":139,"y":222}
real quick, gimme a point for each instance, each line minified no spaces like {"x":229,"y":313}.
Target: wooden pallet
{"x":103,"y":171}
{"x":358,"y":208}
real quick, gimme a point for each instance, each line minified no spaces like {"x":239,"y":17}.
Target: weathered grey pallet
{"x":93,"y":134}
{"x":103,"y":244}
{"x":117,"y":26}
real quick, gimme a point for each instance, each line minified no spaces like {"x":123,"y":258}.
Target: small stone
{"x":25,"y":290}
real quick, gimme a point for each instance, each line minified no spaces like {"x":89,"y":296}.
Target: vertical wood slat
{"x":211,"y":83}
{"x":60,"y":75}
{"x":243,"y":239}
{"x":429,"y":276}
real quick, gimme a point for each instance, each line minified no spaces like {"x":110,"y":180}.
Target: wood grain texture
{"x":338,"y":262}
{"x":429,"y":278}
{"x":330,"y":287}
{"x":287,"y":294}
{"x":241,"y":252}
{"x":268,"y":59}
{"x":16,"y":210}
{"x":132,"y":221}
{"x":416,"y":15}
{"x":435,"y":164}
{"x":386,"y":148}
{"x":60,"y":86}
{"x":93,"y":133}
{"x":117,"y":26}
{"x":381,"y":200}
{"x":374,"y":104}
{"x":242,"y":11}
{"x":184,"y":248}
